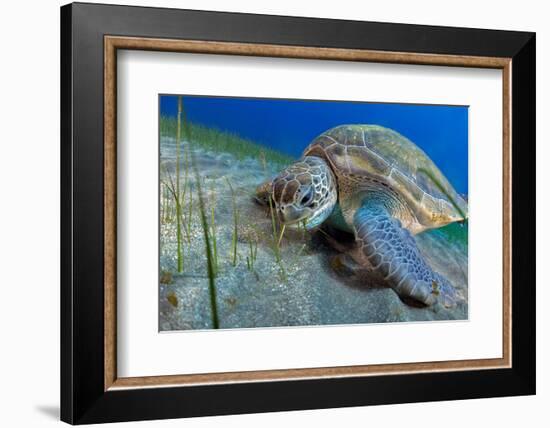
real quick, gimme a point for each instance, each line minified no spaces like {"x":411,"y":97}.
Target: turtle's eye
{"x":307,"y":199}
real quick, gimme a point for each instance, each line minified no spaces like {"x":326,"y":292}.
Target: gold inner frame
{"x":113,"y":43}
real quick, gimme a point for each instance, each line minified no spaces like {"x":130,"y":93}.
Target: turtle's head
{"x":305,"y":192}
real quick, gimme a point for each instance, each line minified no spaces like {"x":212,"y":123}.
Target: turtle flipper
{"x":393,"y":253}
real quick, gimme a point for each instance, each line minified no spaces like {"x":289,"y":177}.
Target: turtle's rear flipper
{"x":393,"y":253}
{"x":344,"y":265}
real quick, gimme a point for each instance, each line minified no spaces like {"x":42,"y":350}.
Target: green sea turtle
{"x":375,"y":183}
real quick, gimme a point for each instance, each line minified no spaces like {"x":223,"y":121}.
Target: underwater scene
{"x":282,"y":212}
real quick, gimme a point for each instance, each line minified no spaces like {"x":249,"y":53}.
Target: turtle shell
{"x":376,"y":154}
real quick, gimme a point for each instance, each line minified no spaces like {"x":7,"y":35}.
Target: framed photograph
{"x":265,"y":213}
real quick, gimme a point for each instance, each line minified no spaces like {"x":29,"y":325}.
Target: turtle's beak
{"x":289,"y":214}
{"x":263,"y":193}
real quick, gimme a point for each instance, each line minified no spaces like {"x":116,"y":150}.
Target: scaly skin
{"x":393,"y":253}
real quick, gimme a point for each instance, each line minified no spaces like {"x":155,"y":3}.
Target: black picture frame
{"x":83,"y":396}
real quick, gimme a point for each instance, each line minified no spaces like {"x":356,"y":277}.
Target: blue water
{"x":289,"y":125}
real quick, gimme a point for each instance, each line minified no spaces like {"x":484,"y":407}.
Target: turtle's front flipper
{"x":393,"y":253}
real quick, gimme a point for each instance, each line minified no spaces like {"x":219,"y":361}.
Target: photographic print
{"x":284,"y":212}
